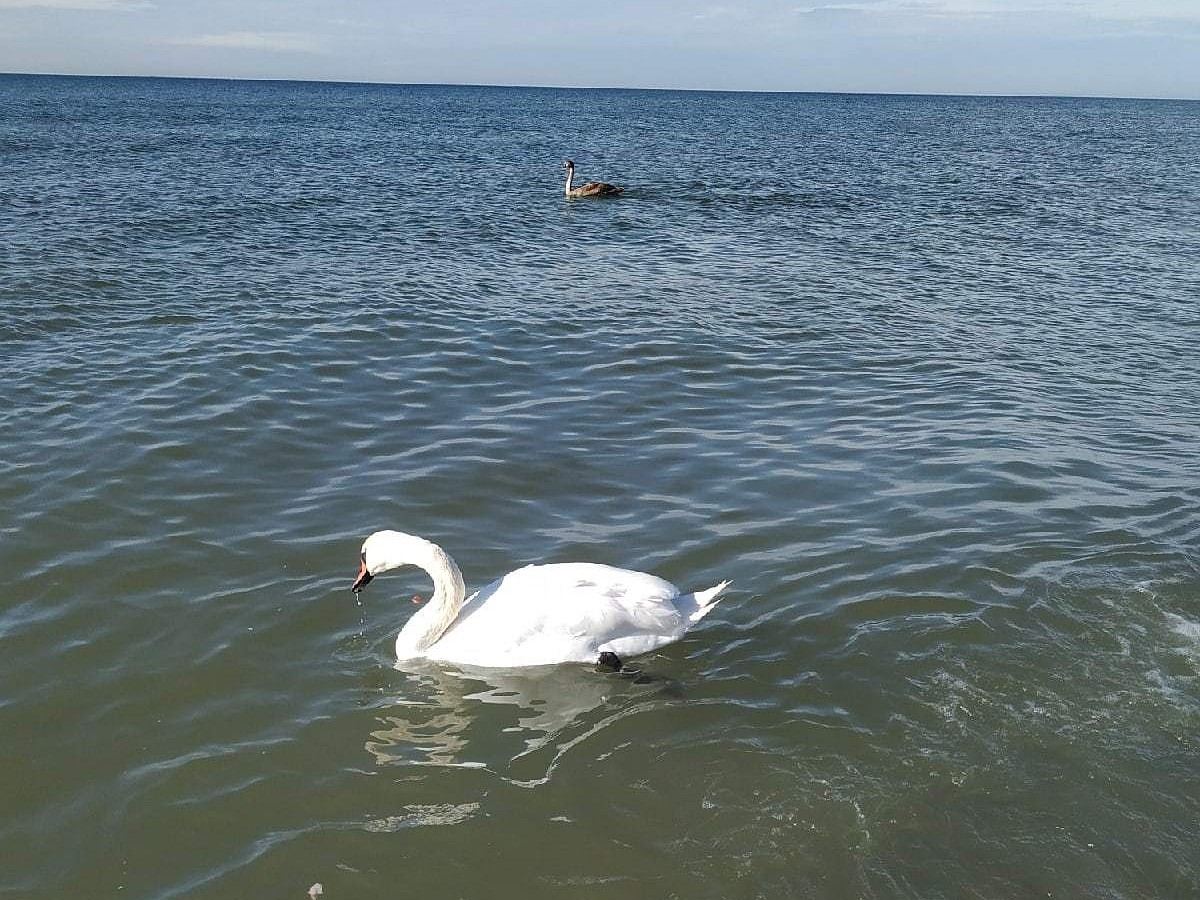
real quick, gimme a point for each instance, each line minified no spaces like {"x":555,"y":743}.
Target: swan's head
{"x":382,"y":551}
{"x":385,"y":550}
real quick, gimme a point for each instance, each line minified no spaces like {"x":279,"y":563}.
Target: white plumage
{"x":538,"y":615}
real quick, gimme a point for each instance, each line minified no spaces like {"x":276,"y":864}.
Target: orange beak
{"x":363,"y":579}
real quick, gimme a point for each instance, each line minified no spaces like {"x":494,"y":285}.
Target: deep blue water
{"x":919,"y":374}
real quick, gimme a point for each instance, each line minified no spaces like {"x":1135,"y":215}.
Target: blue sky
{"x":1139,"y":48}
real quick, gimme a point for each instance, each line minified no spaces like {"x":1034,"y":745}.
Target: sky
{"x":1125,"y":48}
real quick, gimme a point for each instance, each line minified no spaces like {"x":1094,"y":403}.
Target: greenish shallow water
{"x":918,"y":374}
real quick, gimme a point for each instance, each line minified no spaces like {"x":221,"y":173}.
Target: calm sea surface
{"x":920,"y":375}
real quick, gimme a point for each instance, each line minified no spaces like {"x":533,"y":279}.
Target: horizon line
{"x":998,"y":95}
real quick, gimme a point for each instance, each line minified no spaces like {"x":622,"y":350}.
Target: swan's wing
{"x":561,"y":612}
{"x":595,"y":599}
{"x":592,"y":189}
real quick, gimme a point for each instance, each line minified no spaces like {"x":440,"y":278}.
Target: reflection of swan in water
{"x":534,"y":706}
{"x":429,"y":731}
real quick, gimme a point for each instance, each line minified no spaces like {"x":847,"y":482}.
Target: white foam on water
{"x":424,"y":815}
{"x":1185,"y":628}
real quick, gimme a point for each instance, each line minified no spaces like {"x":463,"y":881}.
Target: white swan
{"x":535,"y":616}
{"x":592,"y":188}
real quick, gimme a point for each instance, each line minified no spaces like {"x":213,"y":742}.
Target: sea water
{"x":918,"y":374}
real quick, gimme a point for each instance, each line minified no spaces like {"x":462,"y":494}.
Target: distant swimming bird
{"x":535,"y":616}
{"x":592,"y":188}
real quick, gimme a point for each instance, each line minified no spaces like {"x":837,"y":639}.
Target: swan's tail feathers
{"x":706,"y":600}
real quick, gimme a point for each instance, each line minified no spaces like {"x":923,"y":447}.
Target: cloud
{"x":1143,"y":10}
{"x":1159,"y":10}
{"x":95,"y":5}
{"x":720,"y":12}
{"x":276,"y":41}
{"x":933,"y":8}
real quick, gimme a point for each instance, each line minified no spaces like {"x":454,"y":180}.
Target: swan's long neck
{"x":570,"y":175}
{"x":449,"y":592}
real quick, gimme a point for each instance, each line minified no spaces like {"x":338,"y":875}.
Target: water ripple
{"x":932,"y":408}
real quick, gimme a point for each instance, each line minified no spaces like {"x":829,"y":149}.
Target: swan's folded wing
{"x":565,"y":611}
{"x":602,"y":604}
